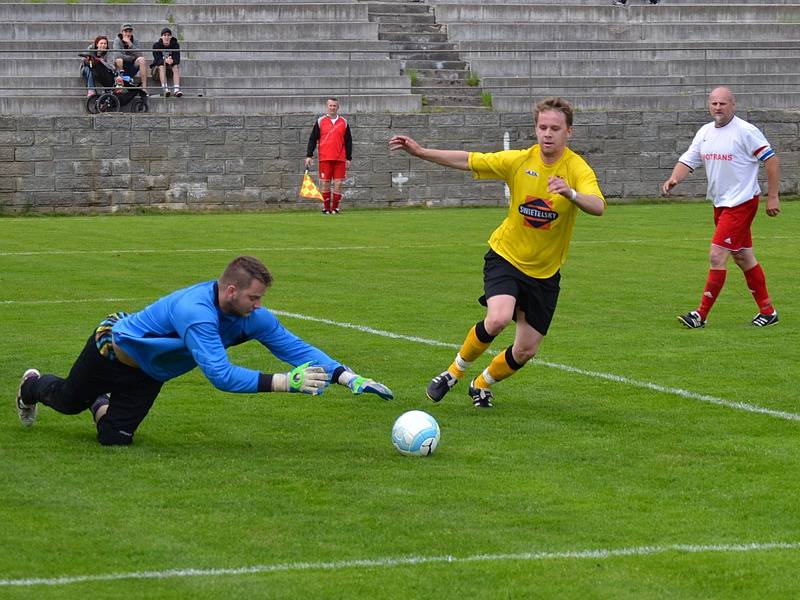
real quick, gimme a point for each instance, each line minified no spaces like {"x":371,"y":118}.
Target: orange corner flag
{"x":309,"y":189}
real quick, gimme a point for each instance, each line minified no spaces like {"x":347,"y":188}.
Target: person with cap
{"x":166,"y":61}
{"x":128,"y":55}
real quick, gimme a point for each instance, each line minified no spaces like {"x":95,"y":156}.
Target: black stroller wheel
{"x":139,"y":105}
{"x":91,"y":104}
{"x":107,"y":102}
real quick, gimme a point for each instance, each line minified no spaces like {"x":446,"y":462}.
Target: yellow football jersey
{"x":535,"y":235}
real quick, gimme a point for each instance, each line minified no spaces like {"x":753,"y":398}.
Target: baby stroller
{"x":117,"y":90}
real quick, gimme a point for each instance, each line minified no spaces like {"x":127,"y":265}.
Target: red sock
{"x":336,"y":199}
{"x":326,"y":201}
{"x":714,"y":283}
{"x":757,"y":283}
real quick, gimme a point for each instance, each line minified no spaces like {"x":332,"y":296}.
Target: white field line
{"x":599,"y":554}
{"x":193,"y":250}
{"x":239,"y":250}
{"x":596,"y":374}
{"x":82,"y":301}
{"x":743,"y":406}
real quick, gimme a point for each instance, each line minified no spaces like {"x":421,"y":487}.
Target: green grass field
{"x":633,"y":459}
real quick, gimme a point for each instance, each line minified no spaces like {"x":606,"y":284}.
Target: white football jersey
{"x":731,"y":156}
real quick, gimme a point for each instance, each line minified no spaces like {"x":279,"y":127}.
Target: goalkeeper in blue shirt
{"x":128,"y":357}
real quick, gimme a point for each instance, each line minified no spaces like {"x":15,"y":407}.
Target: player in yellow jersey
{"x":549,"y":183}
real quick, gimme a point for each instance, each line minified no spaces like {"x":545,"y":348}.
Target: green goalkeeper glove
{"x":304,"y":379}
{"x":359,"y":385}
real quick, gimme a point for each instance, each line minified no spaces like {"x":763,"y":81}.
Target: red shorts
{"x":332,"y":169}
{"x":733,"y":225}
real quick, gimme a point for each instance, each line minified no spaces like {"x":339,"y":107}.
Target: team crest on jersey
{"x":537,"y":213}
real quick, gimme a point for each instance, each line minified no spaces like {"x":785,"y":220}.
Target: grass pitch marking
{"x":743,"y":406}
{"x":599,"y":554}
{"x":596,"y":374}
{"x":238,"y":250}
{"x":187,"y":250}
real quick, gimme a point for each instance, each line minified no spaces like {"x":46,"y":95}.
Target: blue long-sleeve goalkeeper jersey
{"x":187,"y":329}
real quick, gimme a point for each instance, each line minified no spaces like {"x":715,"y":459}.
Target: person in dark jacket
{"x":166,"y":62}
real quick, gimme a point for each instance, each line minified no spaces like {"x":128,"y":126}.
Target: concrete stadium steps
{"x":632,"y":32}
{"x":656,"y":102}
{"x":50,"y":67}
{"x":305,"y":85}
{"x":413,"y":18}
{"x":393,"y":7}
{"x":421,"y":45}
{"x":179,"y":15}
{"x":139,"y":3}
{"x":536,"y":87}
{"x":632,"y":4}
{"x":559,"y":46}
{"x":227,"y":86}
{"x":599,"y":55}
{"x":241,"y":51}
{"x":234,"y":33}
{"x":631,"y":68}
{"x":605,"y":57}
{"x":451,"y":90}
{"x":287,"y":49}
{"x":238,"y":105}
{"x":523,"y":51}
{"x":442,"y":74}
{"x":482,"y":13}
{"x":433,"y":65}
{"x":441,"y":52}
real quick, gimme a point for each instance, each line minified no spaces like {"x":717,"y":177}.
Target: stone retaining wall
{"x":107,"y":163}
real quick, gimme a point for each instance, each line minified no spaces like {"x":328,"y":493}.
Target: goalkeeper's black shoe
{"x":481,"y":397}
{"x":440,"y":385}
{"x":26,"y":412}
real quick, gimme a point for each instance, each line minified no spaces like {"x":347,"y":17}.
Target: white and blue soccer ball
{"x":415,"y":433}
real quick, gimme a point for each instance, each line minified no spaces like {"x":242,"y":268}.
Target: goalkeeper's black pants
{"x":132,"y":393}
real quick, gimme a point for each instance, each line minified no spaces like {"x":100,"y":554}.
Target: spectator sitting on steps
{"x":128,"y":56}
{"x":166,"y":61}
{"x":96,"y":52}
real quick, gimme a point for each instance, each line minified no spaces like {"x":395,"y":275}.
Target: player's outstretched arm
{"x":456,"y":159}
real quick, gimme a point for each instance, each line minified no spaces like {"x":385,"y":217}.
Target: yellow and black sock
{"x":475,"y":344}
{"x":502,"y":366}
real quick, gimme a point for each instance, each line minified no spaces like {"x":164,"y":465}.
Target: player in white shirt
{"x":731,"y":150}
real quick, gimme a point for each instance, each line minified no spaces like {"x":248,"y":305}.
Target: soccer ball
{"x":415,"y":433}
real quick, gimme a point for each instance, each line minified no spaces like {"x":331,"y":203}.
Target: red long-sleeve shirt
{"x":333,"y":135}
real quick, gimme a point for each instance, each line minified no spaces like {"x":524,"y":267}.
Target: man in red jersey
{"x":332,"y":133}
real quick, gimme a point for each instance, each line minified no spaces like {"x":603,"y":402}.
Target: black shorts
{"x":537,"y":298}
